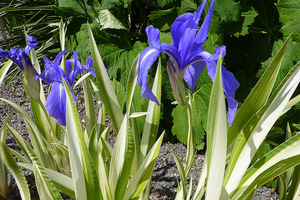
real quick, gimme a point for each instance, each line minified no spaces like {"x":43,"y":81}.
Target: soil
{"x":165,"y":176}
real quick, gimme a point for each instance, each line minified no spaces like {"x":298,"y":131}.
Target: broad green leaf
{"x":216,"y":137}
{"x":144,"y":174}
{"x":162,"y":19}
{"x":108,"y":21}
{"x":105,"y":88}
{"x":289,"y":12}
{"x":227,"y":10}
{"x":4,"y":69}
{"x":119,"y":57}
{"x":249,"y":17}
{"x":257,"y":128}
{"x":78,"y":9}
{"x":180,"y":127}
{"x":121,"y":160}
{"x":12,"y":165}
{"x":84,"y":175}
{"x":257,"y":98}
{"x":153,"y":116}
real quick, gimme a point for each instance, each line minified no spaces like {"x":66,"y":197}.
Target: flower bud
{"x":32,"y":85}
{"x":176,"y":83}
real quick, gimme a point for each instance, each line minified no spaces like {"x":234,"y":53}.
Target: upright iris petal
{"x":187,"y":59}
{"x":54,"y":75}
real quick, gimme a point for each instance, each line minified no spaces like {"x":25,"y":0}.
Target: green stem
{"x":191,"y":135}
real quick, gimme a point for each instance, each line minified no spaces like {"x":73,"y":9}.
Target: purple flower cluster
{"x":53,"y":75}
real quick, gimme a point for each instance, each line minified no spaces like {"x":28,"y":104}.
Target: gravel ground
{"x":165,"y":175}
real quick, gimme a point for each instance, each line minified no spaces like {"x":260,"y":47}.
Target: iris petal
{"x":56,"y":102}
{"x":202,"y":33}
{"x":153,"y":36}
{"x":146,"y":60}
{"x":232,"y":107}
{"x":32,"y":43}
{"x":192,"y":73}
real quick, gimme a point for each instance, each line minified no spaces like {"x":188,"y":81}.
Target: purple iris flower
{"x":187,"y":59}
{"x":20,"y":57}
{"x":22,"y":60}
{"x":54,"y":75}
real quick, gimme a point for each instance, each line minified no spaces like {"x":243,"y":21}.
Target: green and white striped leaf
{"x":84,"y":175}
{"x":181,"y":173}
{"x":201,"y":182}
{"x":3,"y":170}
{"x":257,"y":128}
{"x":90,"y":115}
{"x":131,"y":83}
{"x":36,"y":137}
{"x":153,"y":116}
{"x":275,"y":162}
{"x":144,"y":174}
{"x":106,"y":91}
{"x":121,"y":160}
{"x":4,"y":69}
{"x":294,"y":189}
{"x":45,"y":187}
{"x":12,"y":165}
{"x":61,"y":181}
{"x":216,"y":138}
{"x":271,"y":173}
{"x":258,"y":96}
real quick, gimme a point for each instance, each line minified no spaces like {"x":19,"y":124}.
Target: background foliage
{"x":252,"y":31}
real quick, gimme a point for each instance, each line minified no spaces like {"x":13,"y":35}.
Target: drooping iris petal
{"x":146,"y":60}
{"x":15,"y":57}
{"x":232,"y":107}
{"x":56,"y":102}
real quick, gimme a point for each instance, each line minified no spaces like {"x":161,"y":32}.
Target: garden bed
{"x":165,"y":176}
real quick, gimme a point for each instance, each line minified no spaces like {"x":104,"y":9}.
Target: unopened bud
{"x":176,"y":83}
